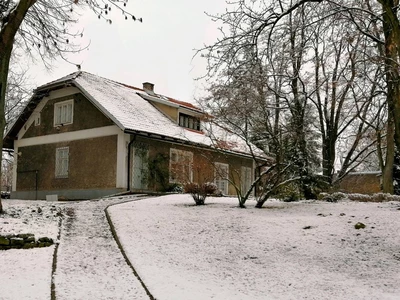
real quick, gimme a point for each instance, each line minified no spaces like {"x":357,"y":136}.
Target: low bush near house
{"x":335,"y":197}
{"x":209,"y":188}
{"x":200,"y":192}
{"x":175,"y":188}
{"x":378,"y":197}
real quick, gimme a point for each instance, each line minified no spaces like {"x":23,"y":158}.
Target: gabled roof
{"x":128,"y":108}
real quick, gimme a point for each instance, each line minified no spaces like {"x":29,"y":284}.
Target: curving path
{"x":89,"y":264}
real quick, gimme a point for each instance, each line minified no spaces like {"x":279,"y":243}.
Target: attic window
{"x":63,"y":113}
{"x":189,"y":122}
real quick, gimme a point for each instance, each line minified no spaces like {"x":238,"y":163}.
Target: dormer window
{"x":189,"y":122}
{"x":63,"y":113}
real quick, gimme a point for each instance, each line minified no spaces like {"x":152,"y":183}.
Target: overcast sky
{"x":159,"y":50}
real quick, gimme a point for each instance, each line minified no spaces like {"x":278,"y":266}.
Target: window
{"x":37,"y":119}
{"x":180,"y":166}
{"x":246,"y":178}
{"x":62,"y":162}
{"x":221,"y":177}
{"x":189,"y":121}
{"x":63,"y":113}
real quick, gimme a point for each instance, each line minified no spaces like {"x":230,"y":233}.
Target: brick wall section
{"x":203,"y":170}
{"x":86,"y":116}
{"x":361,"y":183}
{"x":92,"y":164}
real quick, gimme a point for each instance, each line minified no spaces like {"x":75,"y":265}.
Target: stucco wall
{"x":172,"y":112}
{"x":92,"y":164}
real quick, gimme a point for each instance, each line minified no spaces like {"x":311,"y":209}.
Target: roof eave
{"x":157,"y":100}
{"x":38,"y":94}
{"x":186,"y":142}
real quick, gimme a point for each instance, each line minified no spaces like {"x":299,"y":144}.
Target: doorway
{"x":140,"y":167}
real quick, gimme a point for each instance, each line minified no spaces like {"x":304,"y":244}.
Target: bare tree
{"x":264,"y":89}
{"x":241,"y":103}
{"x":346,"y":86}
{"x":360,"y":66}
{"x":17,"y":92}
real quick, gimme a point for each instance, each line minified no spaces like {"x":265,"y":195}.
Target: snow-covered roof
{"x":129,"y":108}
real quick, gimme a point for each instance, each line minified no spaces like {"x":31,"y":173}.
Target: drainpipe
{"x":129,"y":162}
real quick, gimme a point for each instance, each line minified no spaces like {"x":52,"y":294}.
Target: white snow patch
{"x":216,"y":251}
{"x":219,"y":251}
{"x":24,"y":216}
{"x":26,"y":274}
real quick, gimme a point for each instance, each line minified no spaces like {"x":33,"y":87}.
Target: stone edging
{"x":23,"y":241}
{"x":115,"y":236}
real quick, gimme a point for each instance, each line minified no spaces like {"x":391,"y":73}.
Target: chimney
{"x":148,"y":87}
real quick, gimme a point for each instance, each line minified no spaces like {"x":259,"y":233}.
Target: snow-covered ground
{"x":89,"y":263}
{"x":298,"y":250}
{"x":26,"y":274}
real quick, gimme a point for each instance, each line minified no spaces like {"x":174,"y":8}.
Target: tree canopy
{"x":329,"y":67}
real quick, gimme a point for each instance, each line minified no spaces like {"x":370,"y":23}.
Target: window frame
{"x":188,"y":121}
{"x":245,"y":180}
{"x":181,"y":159}
{"x":60,"y":170}
{"x":218,"y":179}
{"x":70,"y":120}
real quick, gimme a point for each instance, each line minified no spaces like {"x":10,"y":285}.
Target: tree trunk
{"x":262,"y":200}
{"x":4,"y":65}
{"x":391,"y":27}
{"x":7,"y":36}
{"x":387,"y":172}
{"x":259,"y":204}
{"x":328,"y":156}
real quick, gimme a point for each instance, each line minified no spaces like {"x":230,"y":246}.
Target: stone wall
{"x":23,"y":241}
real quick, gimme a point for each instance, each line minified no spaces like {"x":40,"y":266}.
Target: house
{"x":83,"y":136}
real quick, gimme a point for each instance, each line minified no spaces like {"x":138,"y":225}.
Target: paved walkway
{"x":89,"y":263}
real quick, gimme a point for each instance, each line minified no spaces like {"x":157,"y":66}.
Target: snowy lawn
{"x":298,"y":250}
{"x":89,"y":263}
{"x":26,"y":274}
